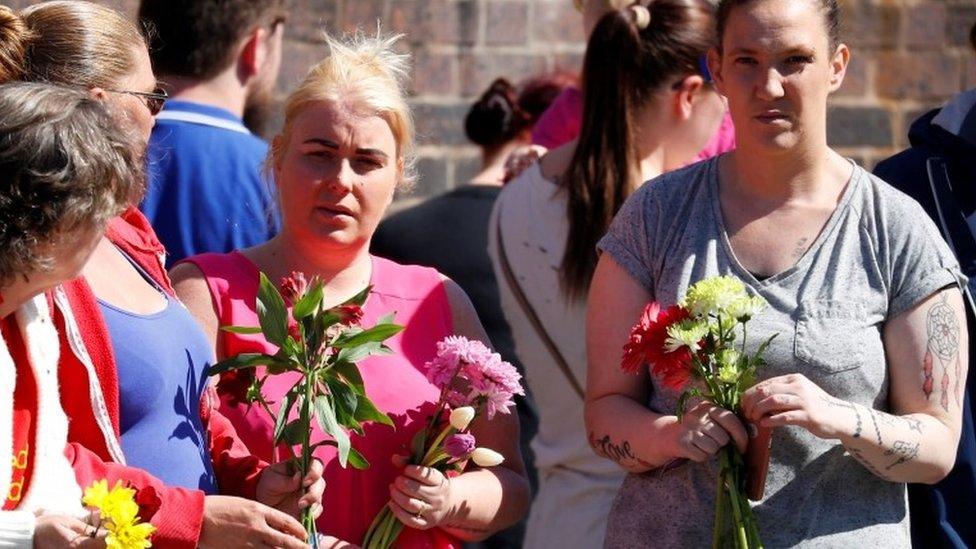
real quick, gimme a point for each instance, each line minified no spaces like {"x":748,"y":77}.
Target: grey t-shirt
{"x":877,"y":256}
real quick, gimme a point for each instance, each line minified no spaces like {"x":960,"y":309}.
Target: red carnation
{"x":293,"y":287}
{"x":646,"y":345}
{"x":148,"y":501}
{"x":349,"y":314}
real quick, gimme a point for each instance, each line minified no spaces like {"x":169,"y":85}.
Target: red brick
{"x":298,"y":58}
{"x":568,"y":61}
{"x":434,"y":73}
{"x":506,"y":23}
{"x":435,"y":21}
{"x":479,"y":70}
{"x":307,"y":19}
{"x":870,"y":26}
{"x":858,"y":126}
{"x":960,"y":20}
{"x":856,"y":79}
{"x":556,"y":21}
{"x":362,"y":15}
{"x":924,"y":26}
{"x":917,"y":75}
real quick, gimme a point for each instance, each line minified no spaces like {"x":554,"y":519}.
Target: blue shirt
{"x":207,"y":191}
{"x":162,"y":360}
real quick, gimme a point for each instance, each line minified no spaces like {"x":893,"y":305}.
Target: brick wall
{"x":908,"y":56}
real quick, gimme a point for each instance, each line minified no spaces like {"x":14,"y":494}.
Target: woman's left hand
{"x":420,"y":497}
{"x":795,"y":400}
{"x":280,"y":487}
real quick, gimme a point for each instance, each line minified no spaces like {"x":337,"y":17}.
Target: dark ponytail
{"x":495,"y":118}
{"x":624,"y":67}
{"x":15,"y":37}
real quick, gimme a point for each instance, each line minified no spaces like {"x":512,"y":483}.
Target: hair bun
{"x":495,"y":118}
{"x":641,"y":15}
{"x":14,"y":38}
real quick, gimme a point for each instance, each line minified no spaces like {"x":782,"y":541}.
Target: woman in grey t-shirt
{"x":864,"y":381}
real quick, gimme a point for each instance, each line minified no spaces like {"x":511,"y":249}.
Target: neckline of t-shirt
{"x":373,"y":269}
{"x":801,"y":264}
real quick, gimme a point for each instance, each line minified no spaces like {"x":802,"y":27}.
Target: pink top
{"x":395,"y":383}
{"x":560,"y":124}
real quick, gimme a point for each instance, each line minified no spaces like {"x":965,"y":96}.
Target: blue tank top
{"x":162,"y":361}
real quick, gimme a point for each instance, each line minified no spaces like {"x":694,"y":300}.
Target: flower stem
{"x":718,"y":530}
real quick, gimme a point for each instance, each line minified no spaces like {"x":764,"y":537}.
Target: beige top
{"x":576,"y":487}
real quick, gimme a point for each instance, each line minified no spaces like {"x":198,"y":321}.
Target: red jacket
{"x":90,"y":397}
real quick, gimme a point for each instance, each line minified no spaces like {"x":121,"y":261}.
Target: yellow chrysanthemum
{"x":129,"y":536}
{"x":95,"y":494}
{"x":713,"y":295}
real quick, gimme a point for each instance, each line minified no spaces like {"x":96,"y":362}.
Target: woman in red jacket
{"x":64,"y":171}
{"x":130,"y":352}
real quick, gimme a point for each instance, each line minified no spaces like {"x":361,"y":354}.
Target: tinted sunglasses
{"x":154,"y":100}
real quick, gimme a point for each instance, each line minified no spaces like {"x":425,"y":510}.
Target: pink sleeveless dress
{"x":396,"y":384}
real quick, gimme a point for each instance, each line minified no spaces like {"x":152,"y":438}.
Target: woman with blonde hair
{"x":135,"y":361}
{"x":346,"y":145}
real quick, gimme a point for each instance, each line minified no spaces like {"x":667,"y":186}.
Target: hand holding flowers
{"x":704,"y":339}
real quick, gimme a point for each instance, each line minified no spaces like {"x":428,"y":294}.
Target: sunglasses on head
{"x":154,"y":100}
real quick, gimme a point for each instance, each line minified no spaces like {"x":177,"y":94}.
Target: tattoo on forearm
{"x":943,"y":343}
{"x":906,"y":452}
{"x":856,"y":454}
{"x":877,"y":430}
{"x":617,"y":452}
{"x":893,"y":421}
{"x":841,"y":404}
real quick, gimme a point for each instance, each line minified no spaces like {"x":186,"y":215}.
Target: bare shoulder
{"x":192,"y":289}
{"x":464,"y":316}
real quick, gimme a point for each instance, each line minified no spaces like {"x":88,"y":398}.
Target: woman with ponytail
{"x":648,"y":108}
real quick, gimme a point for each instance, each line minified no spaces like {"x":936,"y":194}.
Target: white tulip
{"x":461,"y":417}
{"x":485,"y":457}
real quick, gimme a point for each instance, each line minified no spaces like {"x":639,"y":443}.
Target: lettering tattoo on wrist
{"x":943,"y":344}
{"x":877,"y":430}
{"x":857,"y":415}
{"x":620,"y":453}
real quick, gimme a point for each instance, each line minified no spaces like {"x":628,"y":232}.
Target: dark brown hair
{"x":503,"y":111}
{"x":198,"y":39}
{"x":830,"y":9}
{"x":624,"y":67}
{"x":972,"y":37}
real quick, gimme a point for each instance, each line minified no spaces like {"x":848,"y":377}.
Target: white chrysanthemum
{"x":713,"y":295}
{"x":745,"y":308}
{"x":687,"y":333}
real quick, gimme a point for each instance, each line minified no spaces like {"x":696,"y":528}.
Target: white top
{"x":576,"y":486}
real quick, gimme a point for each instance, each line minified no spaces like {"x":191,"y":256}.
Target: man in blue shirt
{"x":218,"y":60}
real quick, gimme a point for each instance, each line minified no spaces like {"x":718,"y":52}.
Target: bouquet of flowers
{"x":473,"y":381}
{"x":696,"y":340}
{"x":124,"y":512}
{"x":323,"y":345}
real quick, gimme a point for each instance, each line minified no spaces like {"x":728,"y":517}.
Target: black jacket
{"x":939,"y":171}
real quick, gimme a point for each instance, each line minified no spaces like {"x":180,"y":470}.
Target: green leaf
{"x":765,"y":344}
{"x":359,"y":298}
{"x":309,"y":302}
{"x":245,"y":330}
{"x":243,"y":360}
{"x":282,"y":417}
{"x":293,"y":433}
{"x":345,"y":400}
{"x":386,"y":319}
{"x":417,"y":445}
{"x":272,"y":313}
{"x":355,"y":354}
{"x":367,"y":411}
{"x":683,"y":400}
{"x":378,"y":333}
{"x":326,"y":417}
{"x":350,"y":372}
{"x":357,"y":460}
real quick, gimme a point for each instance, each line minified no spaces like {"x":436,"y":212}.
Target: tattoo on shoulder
{"x":619,"y":453}
{"x":942,"y":345}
